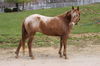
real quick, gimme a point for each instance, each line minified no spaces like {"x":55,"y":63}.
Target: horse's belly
{"x":52,"y":32}
{"x":54,"y":29}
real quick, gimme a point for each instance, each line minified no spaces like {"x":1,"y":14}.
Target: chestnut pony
{"x":60,"y":25}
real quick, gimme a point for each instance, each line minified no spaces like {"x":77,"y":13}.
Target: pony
{"x":59,"y":25}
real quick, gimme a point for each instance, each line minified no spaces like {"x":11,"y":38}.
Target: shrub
{"x":15,"y":9}
{"x":7,"y":10}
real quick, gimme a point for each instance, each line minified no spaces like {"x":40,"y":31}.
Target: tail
{"x":24,"y":36}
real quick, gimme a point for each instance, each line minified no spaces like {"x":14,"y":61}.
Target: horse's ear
{"x":72,"y":7}
{"x":78,"y":8}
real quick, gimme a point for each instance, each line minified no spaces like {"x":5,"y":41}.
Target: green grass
{"x":10,"y":23}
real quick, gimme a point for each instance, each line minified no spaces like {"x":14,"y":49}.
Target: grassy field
{"x":10,"y":23}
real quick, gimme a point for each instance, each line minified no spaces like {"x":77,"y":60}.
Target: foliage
{"x":17,"y":1}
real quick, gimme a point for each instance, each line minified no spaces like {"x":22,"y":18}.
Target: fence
{"x":31,"y":6}
{"x":44,"y":5}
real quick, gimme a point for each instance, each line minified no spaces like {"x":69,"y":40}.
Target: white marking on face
{"x":74,"y":14}
{"x":72,"y":23}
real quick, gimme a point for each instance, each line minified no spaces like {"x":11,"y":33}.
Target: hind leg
{"x":18,"y":48}
{"x":22,"y":42}
{"x":30,"y":46}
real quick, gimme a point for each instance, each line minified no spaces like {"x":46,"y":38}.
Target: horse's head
{"x":74,"y":16}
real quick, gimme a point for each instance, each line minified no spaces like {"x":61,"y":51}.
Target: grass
{"x":10,"y":23}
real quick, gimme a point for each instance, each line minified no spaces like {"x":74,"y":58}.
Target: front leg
{"x":60,"y":50}
{"x":64,"y":41}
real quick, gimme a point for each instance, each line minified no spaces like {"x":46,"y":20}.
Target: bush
{"x":7,"y":10}
{"x":15,"y":9}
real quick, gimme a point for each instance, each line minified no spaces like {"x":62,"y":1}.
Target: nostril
{"x":79,"y":18}
{"x":76,"y":23}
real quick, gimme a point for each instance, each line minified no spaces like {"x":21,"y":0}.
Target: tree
{"x":17,"y":2}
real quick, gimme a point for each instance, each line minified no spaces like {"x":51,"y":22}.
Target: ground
{"x":86,"y":53}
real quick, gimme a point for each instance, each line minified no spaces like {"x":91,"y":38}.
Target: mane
{"x":65,"y":16}
{"x":62,"y":15}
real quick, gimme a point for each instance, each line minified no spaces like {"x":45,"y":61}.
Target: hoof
{"x":64,"y":54}
{"x":32,"y":58}
{"x":66,"y":57}
{"x":60,"y":56}
{"x":16,"y":57}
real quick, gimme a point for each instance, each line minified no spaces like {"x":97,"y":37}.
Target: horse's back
{"x":31,"y":18}
{"x":37,"y":17}
{"x":34,"y":21}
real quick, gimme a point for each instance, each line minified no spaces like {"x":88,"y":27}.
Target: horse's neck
{"x":64,"y":17}
{"x":66,"y":21}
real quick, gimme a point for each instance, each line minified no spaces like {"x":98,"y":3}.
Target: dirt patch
{"x":48,"y":56}
{"x":85,"y":35}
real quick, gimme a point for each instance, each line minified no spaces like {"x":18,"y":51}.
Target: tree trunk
{"x":23,"y":6}
{"x":17,"y":6}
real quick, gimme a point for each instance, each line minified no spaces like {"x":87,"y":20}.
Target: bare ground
{"x":88,"y":56}
{"x":79,"y":55}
